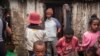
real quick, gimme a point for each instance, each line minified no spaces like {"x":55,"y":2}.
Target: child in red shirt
{"x":67,"y":45}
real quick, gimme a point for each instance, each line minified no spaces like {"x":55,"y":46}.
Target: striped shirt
{"x":33,"y":35}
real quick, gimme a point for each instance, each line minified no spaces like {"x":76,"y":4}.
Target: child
{"x":89,"y":38}
{"x":39,"y":48}
{"x":10,"y":51}
{"x":91,"y":52}
{"x":52,"y":27}
{"x":97,"y":45}
{"x":34,"y":32}
{"x":67,"y":45}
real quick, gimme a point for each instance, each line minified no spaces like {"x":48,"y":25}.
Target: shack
{"x":78,"y":16}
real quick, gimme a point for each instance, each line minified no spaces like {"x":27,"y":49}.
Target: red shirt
{"x":64,"y":48}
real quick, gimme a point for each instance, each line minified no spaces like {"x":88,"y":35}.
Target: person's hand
{"x":59,"y":29}
{"x":80,"y":48}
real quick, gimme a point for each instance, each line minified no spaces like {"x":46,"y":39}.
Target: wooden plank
{"x":30,"y":6}
{"x":17,"y":14}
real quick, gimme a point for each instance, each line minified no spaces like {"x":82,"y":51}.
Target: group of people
{"x":34,"y":32}
{"x":44,"y":42}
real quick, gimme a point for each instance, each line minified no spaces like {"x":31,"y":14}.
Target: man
{"x":3,"y":27}
{"x":52,"y":27}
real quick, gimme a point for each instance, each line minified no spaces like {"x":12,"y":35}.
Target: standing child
{"x":39,"y":48}
{"x":68,"y":44}
{"x":52,"y":27}
{"x":34,"y":31}
{"x":89,"y":38}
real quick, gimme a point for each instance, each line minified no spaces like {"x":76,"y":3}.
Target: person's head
{"x":68,"y":33}
{"x":94,"y":23}
{"x":49,"y":12}
{"x":34,"y":18}
{"x":39,"y":48}
{"x":91,"y":51}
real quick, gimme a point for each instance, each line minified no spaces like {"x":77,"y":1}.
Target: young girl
{"x":89,"y":38}
{"x":67,"y":45}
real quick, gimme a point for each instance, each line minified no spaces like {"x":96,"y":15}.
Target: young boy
{"x":67,"y":45}
{"x":39,"y":48}
{"x":52,"y":27}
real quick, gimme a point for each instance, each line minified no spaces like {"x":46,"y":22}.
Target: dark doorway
{"x":57,"y":6}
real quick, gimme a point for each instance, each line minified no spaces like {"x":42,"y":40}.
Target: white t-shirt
{"x":33,"y":35}
{"x":51,"y":26}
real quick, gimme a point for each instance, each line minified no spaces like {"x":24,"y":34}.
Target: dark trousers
{"x":2,"y":49}
{"x":30,"y":53}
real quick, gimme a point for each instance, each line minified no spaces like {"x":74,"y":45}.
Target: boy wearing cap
{"x":34,"y":32}
{"x":67,"y":45}
{"x":52,"y":27}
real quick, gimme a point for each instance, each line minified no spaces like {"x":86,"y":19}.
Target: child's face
{"x":48,"y":15}
{"x":95,"y":25}
{"x":68,"y":38}
{"x":39,"y":50}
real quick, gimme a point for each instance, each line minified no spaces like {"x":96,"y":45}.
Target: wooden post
{"x":18,"y":26}
{"x":67,"y":16}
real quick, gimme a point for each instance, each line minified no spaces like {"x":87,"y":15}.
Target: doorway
{"x":58,"y":13}
{"x":57,"y":6}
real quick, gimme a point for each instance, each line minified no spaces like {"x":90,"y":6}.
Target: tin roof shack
{"x":81,"y":10}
